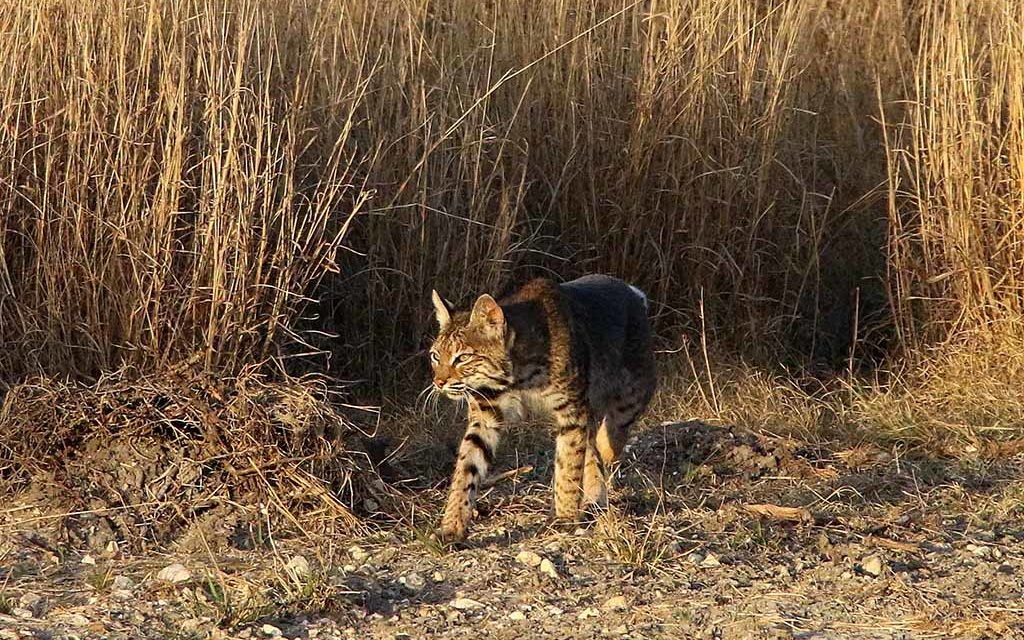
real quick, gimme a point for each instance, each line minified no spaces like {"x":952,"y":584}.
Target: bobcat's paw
{"x":449,"y":533}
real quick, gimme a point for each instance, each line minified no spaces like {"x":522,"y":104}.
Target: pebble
{"x":87,"y":559}
{"x":123,"y":583}
{"x":21,"y":612}
{"x":529,"y":558}
{"x":1005,"y":568}
{"x":938,"y":547}
{"x":615,"y":603}
{"x":710,"y":561}
{"x":548,"y":569}
{"x":298,"y":568}
{"x":270,"y":631}
{"x":554,"y":611}
{"x":415,"y":581}
{"x":872,"y":566}
{"x":358,"y":553}
{"x":464,"y":604}
{"x":517,"y":615}
{"x":174,"y":573}
{"x":978,"y":550}
{"x":30,"y":601}
{"x":437,"y":576}
{"x":589,"y":612}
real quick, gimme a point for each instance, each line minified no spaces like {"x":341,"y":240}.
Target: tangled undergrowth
{"x":184,"y":457}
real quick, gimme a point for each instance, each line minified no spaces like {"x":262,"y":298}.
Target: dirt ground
{"x":714,"y":532}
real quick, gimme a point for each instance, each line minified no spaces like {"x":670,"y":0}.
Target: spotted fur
{"x":580,"y":350}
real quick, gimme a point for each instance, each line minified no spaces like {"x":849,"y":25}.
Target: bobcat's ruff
{"x":581,"y":350}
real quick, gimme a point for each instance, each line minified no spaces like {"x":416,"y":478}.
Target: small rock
{"x":996,"y":553}
{"x":554,"y":611}
{"x":871,"y":566}
{"x":87,"y":559}
{"x":122,"y":583}
{"x":548,"y":569}
{"x":464,"y":604}
{"x":358,"y":553}
{"x":415,"y":581}
{"x":978,"y":550}
{"x":620,"y":630}
{"x":111,"y":549}
{"x":437,"y":576}
{"x":615,"y":603}
{"x":298,"y":568}
{"x":270,"y":631}
{"x":517,"y":615}
{"x":938,"y":547}
{"x":529,"y":558}
{"x":30,"y":601}
{"x":589,"y":612}
{"x":695,"y":557}
{"x":710,"y":561}
{"x":174,"y":573}
{"x":1005,"y":568}
{"x":21,"y":612}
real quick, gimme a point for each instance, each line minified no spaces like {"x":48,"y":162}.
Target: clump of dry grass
{"x":956,"y":202}
{"x":177,"y":176}
{"x":152,"y":458}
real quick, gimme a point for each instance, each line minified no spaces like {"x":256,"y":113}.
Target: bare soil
{"x":713,"y":532}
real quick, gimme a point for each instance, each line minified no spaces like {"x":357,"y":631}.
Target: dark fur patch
{"x":478,"y":442}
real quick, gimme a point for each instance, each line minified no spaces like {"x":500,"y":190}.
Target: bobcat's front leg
{"x":476,"y":456}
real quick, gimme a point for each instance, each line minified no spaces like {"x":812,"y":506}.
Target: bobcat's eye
{"x":461,"y":358}
{"x":433,"y":357}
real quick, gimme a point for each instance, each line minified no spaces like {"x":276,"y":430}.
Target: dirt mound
{"x":159,"y":458}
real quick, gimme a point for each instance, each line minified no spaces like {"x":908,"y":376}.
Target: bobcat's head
{"x":470,"y":355}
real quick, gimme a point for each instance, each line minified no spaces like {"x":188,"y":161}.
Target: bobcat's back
{"x":612,"y":333}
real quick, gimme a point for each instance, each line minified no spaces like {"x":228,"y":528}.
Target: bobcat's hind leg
{"x":574,"y":434}
{"x":595,"y":480}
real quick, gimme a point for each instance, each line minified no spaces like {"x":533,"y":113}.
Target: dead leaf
{"x":776,"y":512}
{"x":895,"y":545}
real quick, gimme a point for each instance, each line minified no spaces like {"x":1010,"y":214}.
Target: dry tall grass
{"x":180,"y":175}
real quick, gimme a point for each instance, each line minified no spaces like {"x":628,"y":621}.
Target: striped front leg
{"x":476,"y":456}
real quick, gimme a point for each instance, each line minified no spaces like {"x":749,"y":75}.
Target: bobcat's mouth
{"x":454,"y":389}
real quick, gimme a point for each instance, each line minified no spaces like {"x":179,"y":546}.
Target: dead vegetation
{"x":823,"y":200}
{"x":184,"y":457}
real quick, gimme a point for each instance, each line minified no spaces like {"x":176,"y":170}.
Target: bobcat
{"x":581,"y":350}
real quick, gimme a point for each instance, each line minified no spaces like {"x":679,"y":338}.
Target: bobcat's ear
{"x":441,"y":310}
{"x":487,"y":313}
